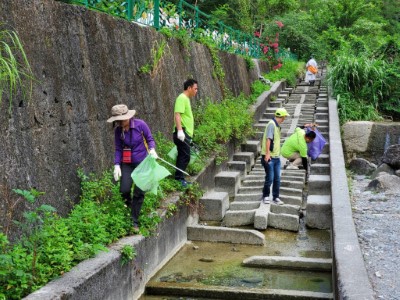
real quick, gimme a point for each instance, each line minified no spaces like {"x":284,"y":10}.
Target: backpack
{"x":313,"y":69}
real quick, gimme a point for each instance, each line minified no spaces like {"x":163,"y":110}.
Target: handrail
{"x":161,"y":13}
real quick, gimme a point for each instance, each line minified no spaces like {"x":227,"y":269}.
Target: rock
{"x":392,"y":156}
{"x":397,"y":172}
{"x":362,"y":166}
{"x":206,"y":259}
{"x":387,"y":183}
{"x":382,"y":168}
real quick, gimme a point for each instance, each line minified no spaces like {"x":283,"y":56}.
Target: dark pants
{"x":183,"y":159}
{"x":272,"y":176}
{"x":135,"y":202}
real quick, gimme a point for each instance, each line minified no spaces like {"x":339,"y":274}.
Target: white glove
{"x":153,"y":153}
{"x":181,"y":135}
{"x":117,"y":172}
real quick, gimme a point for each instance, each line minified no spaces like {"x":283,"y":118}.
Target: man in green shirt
{"x":270,"y":157}
{"x":295,"y":148}
{"x":184,"y":127}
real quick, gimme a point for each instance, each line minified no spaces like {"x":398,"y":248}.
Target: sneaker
{"x":291,"y":167}
{"x":277,"y":201}
{"x":265,"y":200}
{"x":185,"y":183}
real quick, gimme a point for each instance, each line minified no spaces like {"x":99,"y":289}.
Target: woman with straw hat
{"x":133,"y":142}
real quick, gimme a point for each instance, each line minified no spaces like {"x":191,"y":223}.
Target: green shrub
{"x":290,"y":71}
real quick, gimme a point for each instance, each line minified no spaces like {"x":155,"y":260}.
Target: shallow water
{"x":219,"y":264}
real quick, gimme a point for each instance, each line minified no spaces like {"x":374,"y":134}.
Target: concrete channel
{"x":235,"y":203}
{"x":237,"y":247}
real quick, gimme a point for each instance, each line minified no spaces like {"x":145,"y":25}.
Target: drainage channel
{"x":244,"y":249}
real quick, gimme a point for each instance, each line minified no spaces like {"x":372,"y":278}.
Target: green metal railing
{"x":161,"y":13}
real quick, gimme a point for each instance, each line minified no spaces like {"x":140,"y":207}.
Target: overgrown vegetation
{"x":51,"y":245}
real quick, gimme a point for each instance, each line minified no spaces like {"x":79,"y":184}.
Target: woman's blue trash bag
{"x":173,"y":154}
{"x":315,"y":147}
{"x":148,"y":174}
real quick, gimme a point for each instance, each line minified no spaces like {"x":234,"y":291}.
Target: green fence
{"x":160,"y":13}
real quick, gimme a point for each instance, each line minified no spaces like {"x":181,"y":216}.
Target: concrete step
{"x":253,"y":146}
{"x":319,"y":185}
{"x":234,"y":218}
{"x":320,"y":169}
{"x":227,"y":181}
{"x":283,"y":221}
{"x":286,"y":191}
{"x":319,"y":211}
{"x":244,"y":205}
{"x":247,"y":157}
{"x":285,"y":209}
{"x":249,"y":197}
{"x":238,"y":166}
{"x":213,"y":206}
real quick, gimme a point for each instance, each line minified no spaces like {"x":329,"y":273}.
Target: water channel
{"x":210,"y":270}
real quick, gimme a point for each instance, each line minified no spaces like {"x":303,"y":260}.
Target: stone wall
{"x":84,"y":62}
{"x":369,"y":140}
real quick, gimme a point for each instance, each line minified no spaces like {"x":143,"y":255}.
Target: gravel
{"x":377,"y":219}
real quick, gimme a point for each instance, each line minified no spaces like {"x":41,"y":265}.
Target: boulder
{"x":385,"y":168}
{"x":385,"y":183}
{"x":361,"y":166}
{"x":392,"y":156}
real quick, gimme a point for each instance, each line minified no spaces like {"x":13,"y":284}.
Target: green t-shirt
{"x":295,"y":143}
{"x":272,"y":132}
{"x":182,"y":106}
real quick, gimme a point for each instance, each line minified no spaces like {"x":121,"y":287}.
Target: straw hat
{"x":121,"y":112}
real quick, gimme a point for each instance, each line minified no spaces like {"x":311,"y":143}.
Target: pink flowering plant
{"x":270,"y":46}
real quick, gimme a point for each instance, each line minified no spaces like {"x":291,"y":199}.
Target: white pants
{"x":295,"y":159}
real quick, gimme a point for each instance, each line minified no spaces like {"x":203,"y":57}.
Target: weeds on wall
{"x":157,"y":52}
{"x":14,"y":65}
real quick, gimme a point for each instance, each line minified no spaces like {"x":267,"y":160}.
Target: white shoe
{"x":277,"y":201}
{"x":291,"y":167}
{"x":265,"y":200}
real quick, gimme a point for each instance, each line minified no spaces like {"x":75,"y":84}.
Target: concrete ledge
{"x":283,"y":221}
{"x":213,"y":206}
{"x":286,"y":262}
{"x":223,"y":292}
{"x":350,"y":274}
{"x":319,"y":211}
{"x":227,"y":235}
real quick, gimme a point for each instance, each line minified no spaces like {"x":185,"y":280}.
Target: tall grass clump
{"x":365,"y":86}
{"x":14,"y":65}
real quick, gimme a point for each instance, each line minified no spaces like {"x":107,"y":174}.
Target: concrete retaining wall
{"x":349,"y":273}
{"x":84,"y":62}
